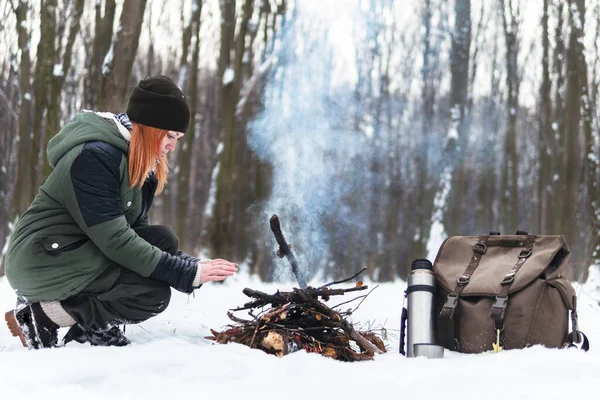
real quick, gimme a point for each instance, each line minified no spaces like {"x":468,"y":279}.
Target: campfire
{"x":286,"y":322}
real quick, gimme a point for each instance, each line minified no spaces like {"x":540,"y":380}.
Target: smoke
{"x":304,"y":133}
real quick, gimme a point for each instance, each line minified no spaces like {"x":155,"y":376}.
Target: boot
{"x":35,"y":329}
{"x":112,"y":336}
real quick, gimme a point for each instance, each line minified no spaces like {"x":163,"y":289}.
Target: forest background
{"x":373,"y":128}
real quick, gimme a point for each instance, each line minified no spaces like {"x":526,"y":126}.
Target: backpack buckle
{"x":449,"y":306}
{"x":509,"y":278}
{"x":525,"y":253}
{"x":479,"y":248}
{"x":451,"y":301}
{"x":498,"y":308}
{"x":500,"y":302}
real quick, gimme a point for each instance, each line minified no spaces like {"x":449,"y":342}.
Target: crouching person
{"x":84,"y":254}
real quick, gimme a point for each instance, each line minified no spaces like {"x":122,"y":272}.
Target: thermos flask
{"x":420,"y":294}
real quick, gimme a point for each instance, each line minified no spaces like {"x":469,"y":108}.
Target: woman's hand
{"x":216,"y":270}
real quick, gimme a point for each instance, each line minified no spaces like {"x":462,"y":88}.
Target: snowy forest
{"x":373,"y":128}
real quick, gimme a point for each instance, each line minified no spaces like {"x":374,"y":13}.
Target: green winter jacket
{"x":79,"y":224}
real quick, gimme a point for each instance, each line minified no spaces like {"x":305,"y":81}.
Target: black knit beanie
{"x":158,"y":102}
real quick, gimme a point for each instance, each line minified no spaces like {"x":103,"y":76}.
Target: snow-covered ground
{"x":169,"y":358}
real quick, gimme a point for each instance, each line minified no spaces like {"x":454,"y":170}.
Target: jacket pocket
{"x":61,"y":243}
{"x":131,"y":206}
{"x":128,"y":200}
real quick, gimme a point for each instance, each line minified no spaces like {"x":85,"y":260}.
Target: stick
{"x":281,"y":298}
{"x":237,"y":319}
{"x":285,"y":250}
{"x":343,"y":280}
{"x":363,"y":297}
{"x":369,"y":347}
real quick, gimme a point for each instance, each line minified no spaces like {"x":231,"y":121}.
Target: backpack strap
{"x":403,"y":320}
{"x":576,"y":338}
{"x":501,"y":301}
{"x":479,"y":250}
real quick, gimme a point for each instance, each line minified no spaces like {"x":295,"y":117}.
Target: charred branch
{"x":285,"y":250}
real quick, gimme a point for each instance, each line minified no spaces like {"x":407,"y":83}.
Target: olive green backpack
{"x":499,"y":292}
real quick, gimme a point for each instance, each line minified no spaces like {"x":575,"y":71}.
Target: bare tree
{"x":510,"y":15}
{"x":547,"y":148}
{"x":456,"y":141}
{"x":573,"y":150}
{"x":60,"y":70}
{"x":102,"y":38}
{"x":44,"y":68}
{"x":449,"y":188}
{"x":558,"y":125}
{"x":23,"y":196}
{"x":185,"y":184}
{"x":583,"y":231}
{"x":226,"y":230}
{"x":118,"y":62}
{"x":9,"y":119}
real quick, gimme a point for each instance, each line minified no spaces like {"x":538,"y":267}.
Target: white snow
{"x":212,"y":192}
{"x":108,"y":60}
{"x":437,"y":232}
{"x":57,"y":70}
{"x":169,"y":358}
{"x":228,"y":76}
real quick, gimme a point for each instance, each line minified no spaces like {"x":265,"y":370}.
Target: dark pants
{"x":119,"y":295}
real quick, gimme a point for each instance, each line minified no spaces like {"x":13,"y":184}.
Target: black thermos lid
{"x":421,"y":264}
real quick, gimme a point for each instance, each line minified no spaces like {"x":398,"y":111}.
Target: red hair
{"x":144,"y":156}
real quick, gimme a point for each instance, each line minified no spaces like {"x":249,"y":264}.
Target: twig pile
{"x":291,"y":321}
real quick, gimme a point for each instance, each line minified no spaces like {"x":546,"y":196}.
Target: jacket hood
{"x":85,"y":127}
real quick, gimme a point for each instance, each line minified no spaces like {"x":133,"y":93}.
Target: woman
{"x":84,"y":254}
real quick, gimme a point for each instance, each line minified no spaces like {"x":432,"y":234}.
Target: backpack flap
{"x":548,"y":258}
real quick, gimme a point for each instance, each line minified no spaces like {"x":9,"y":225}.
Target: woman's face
{"x":169,"y":142}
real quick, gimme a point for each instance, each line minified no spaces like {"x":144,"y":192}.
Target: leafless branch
{"x":344,"y":280}
{"x":8,"y":105}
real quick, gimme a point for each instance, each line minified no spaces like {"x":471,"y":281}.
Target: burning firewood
{"x":286,"y":322}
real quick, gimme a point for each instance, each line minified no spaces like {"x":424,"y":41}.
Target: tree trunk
{"x":559,"y":130}
{"x":225,"y":233}
{"x":421,"y":157}
{"x":510,"y":171}
{"x":45,"y":59}
{"x":57,"y":79}
{"x":9,"y":120}
{"x":103,"y":31}
{"x":583,"y":228}
{"x":459,"y":88}
{"x":24,"y":169}
{"x":593,"y":247}
{"x":546,"y":141}
{"x":118,"y":63}
{"x":571,"y":144}
{"x":185,"y":185}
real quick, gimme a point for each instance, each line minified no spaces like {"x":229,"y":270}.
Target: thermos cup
{"x":420,"y":294}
